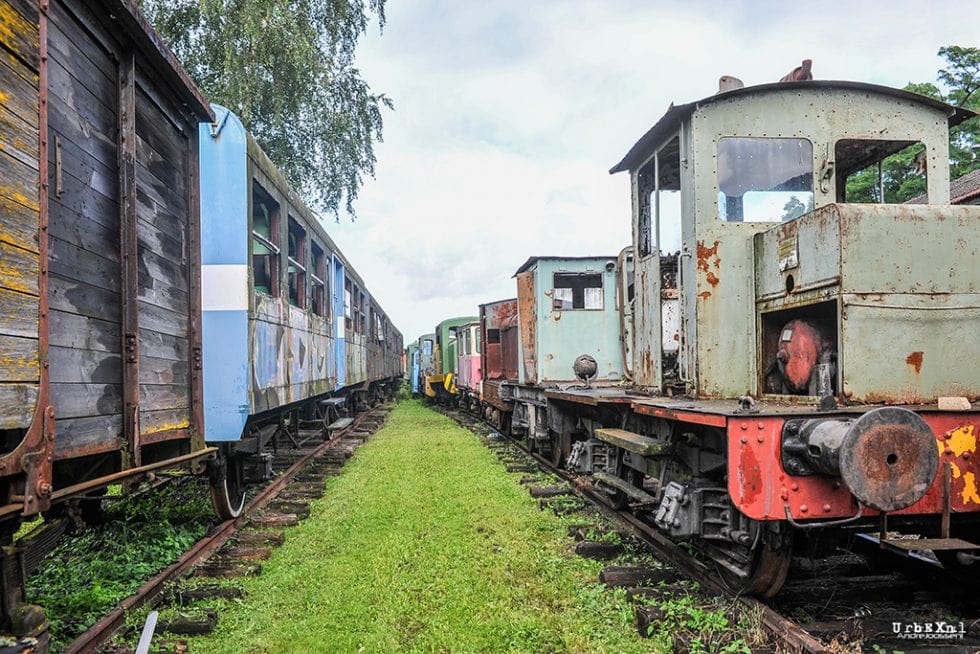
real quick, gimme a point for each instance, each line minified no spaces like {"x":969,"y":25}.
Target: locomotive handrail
{"x":828,"y":523}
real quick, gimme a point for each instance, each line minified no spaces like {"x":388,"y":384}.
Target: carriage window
{"x":659,"y":182}
{"x":577,"y":291}
{"x":265,"y":242}
{"x":318,"y":285}
{"x":348,"y":309}
{"x":362,"y":307}
{"x":355,"y":310}
{"x":764,"y":179}
{"x":296,"y":264}
{"x":493,"y":336}
{"x":881,"y":172}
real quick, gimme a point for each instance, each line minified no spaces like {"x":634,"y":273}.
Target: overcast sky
{"x":508,"y":115}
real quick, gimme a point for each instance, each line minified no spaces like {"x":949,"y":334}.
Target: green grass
{"x":425,"y":544}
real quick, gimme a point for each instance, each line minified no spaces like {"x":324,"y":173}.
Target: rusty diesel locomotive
{"x":769,"y":359}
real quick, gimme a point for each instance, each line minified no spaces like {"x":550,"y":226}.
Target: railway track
{"x":847,"y":602}
{"x":237,"y":547}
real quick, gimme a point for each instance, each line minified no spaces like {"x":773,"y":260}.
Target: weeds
{"x":90,"y":572}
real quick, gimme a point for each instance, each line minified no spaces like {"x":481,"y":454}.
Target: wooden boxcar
{"x":100,"y":372}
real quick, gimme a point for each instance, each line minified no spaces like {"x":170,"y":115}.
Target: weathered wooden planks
{"x":18,"y":30}
{"x":123,"y":188}
{"x":18,"y":269}
{"x":85,"y":340}
{"x":81,"y":299}
{"x":18,"y":314}
{"x":82,"y":436}
{"x":84,"y":366}
{"x":18,"y":359}
{"x":86,"y":400}
{"x":164,"y":420}
{"x":17,"y":402}
{"x":76,"y":264}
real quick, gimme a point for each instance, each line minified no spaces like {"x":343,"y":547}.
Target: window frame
{"x":296,"y":265}
{"x":260,"y":197}
{"x":579,"y":275}
{"x":318,"y":277}
{"x":808,"y":174}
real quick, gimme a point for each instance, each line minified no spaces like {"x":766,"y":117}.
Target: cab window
{"x":881,"y":172}
{"x":577,"y":291}
{"x":659,"y":182}
{"x":764,"y":179}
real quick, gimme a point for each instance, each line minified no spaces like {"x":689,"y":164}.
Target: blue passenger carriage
{"x":293,"y":341}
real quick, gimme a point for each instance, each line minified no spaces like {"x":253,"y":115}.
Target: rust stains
{"x":915,"y":360}
{"x":704,"y":295}
{"x":750,"y":475}
{"x":705,"y":254}
{"x":713,"y":279}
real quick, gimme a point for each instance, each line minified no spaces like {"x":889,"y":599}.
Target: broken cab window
{"x":659,"y":220}
{"x":881,"y":172}
{"x":764,"y":179}
{"x":577,"y":291}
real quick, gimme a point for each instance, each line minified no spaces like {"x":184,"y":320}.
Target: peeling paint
{"x":961,"y":440}
{"x":705,"y":254}
{"x":969,"y":493}
{"x":915,"y":360}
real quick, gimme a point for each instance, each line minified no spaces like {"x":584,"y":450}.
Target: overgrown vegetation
{"x":287,"y":69}
{"x":692,"y":623}
{"x":425,"y":544}
{"x":90,"y":572}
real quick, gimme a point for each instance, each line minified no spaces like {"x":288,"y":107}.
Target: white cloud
{"x":509,"y":114}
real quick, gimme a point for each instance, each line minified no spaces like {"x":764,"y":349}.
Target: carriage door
{"x":657,"y":244}
{"x":339,"y":342}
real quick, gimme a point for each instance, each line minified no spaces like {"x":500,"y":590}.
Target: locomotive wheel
{"x":769,"y":564}
{"x":226,"y":476}
{"x":561,"y":446}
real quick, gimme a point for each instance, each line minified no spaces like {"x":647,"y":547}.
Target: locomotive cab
{"x":774,"y":289}
{"x":719,"y":188}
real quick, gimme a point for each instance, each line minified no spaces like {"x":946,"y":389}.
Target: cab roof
{"x":676,"y":114}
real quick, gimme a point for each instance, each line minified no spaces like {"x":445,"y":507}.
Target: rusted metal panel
{"x":880,"y":294}
{"x":493,"y":394}
{"x":527,"y":321}
{"x":498,"y":341}
{"x":646,"y":359}
{"x":581,"y":317}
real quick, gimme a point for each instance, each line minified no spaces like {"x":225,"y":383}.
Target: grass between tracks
{"x":425,"y":544}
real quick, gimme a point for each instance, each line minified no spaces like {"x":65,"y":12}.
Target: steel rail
{"x":90,"y":641}
{"x":791,"y":634}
